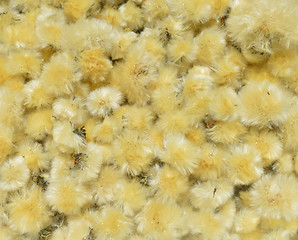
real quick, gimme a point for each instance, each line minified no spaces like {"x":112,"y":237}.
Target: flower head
{"x":103,"y":101}
{"x":276,"y":196}
{"x":14,"y":174}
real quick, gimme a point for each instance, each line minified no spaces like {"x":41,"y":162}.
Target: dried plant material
{"x":103,"y":101}
{"x":273,"y":196}
{"x":262,"y":32}
{"x":132,"y":152}
{"x":111,"y":222}
{"x":66,"y":196}
{"x":95,"y":65}
{"x":160,"y":220}
{"x":14,"y":174}
{"x":263,"y":104}
{"x":244,"y":164}
{"x":180,"y":153}
{"x":29,"y":212}
{"x":148,"y":119}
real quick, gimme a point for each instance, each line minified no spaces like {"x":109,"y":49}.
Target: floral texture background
{"x":148,"y":119}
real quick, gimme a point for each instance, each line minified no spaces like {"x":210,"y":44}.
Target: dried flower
{"x":276,"y":196}
{"x":14,"y":174}
{"x":263,"y":104}
{"x":159,"y":220}
{"x":67,"y":196}
{"x":132,"y":152}
{"x":103,"y":101}
{"x":29,"y":212}
{"x":169,"y":184}
{"x":180,"y":153}
{"x":245,"y":166}
{"x":94,"y":64}
{"x":111,"y":223}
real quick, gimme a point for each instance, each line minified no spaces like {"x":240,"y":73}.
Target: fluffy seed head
{"x":70,"y":109}
{"x":133,"y":77}
{"x":105,"y":132}
{"x":105,"y":184}
{"x":49,"y":25}
{"x":211,"y":162}
{"x":60,"y":75}
{"x":198,"y":79}
{"x":174,"y":122}
{"x":246,"y":221}
{"x":196,"y":135}
{"x":155,"y":9}
{"x":138,"y":118}
{"x":132,"y":152}
{"x":263,"y":104}
{"x":265,"y":27}
{"x":224,"y":104}
{"x":160,"y":221}
{"x":197,"y":11}
{"x":36,"y":94}
{"x":211,"y":43}
{"x":103,"y":101}
{"x":94,"y":64}
{"x":122,"y":43}
{"x":67,"y":196}
{"x":11,"y":109}
{"x":39,"y":124}
{"x":227,"y":72}
{"x":182,"y":49}
{"x":244,"y":164}
{"x":29,"y":212}
{"x":197,"y":107}
{"x":169,"y":184}
{"x":276,"y":196}
{"x":283,"y":63}
{"x":66,"y":138}
{"x":286,"y":226}
{"x":267,"y":143}
{"x":130,"y":197}
{"x":208,"y":224}
{"x":75,"y":9}
{"x":226,"y":132}
{"x":78,"y":228}
{"x":89,"y":165}
{"x":25,"y":63}
{"x":211,"y":194}
{"x":219,"y":8}
{"x":132,"y":15}
{"x":110,"y":223}
{"x":180,"y":153}
{"x":14,"y":174}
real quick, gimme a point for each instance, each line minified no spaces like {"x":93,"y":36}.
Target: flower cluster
{"x":148,"y":119}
